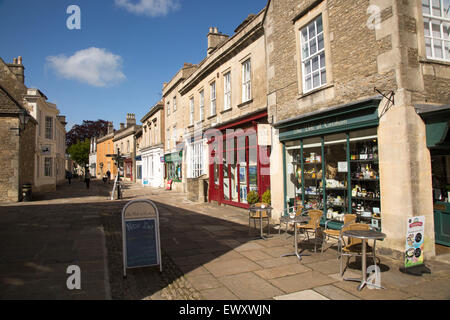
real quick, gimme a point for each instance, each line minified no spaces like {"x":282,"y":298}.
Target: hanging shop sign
{"x":414,"y":241}
{"x":141,"y":237}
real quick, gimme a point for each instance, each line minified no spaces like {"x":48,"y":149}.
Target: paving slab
{"x":221,"y":293}
{"x":228,"y":267}
{"x":302,"y":295}
{"x":282,"y":271}
{"x":203,"y":282}
{"x":334,"y":293}
{"x":302,"y":281}
{"x":248,"y":286}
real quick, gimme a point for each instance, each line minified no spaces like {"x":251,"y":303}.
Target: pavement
{"x":208,"y":254}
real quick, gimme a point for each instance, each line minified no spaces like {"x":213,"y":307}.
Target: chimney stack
{"x":18,"y":69}
{"x":131,"y":119}
{"x":215,"y":39}
{"x":122,"y":126}
{"x":110,"y":127}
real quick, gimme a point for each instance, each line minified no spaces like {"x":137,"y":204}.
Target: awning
{"x":341,"y":118}
{"x":437,"y":121}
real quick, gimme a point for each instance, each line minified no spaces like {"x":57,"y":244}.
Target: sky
{"x":114,"y":59}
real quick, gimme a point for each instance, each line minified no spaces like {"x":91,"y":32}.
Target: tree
{"x":79,"y":152}
{"x":87,"y":130}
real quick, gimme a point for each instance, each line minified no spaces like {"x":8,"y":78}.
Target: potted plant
{"x":252,"y":197}
{"x":266,"y":197}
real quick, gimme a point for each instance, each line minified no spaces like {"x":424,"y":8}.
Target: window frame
{"x":213,"y":98}
{"x":442,"y":20}
{"x":247,"y":82}
{"x":202,"y":104}
{"x":191,"y":111}
{"x":48,"y":130}
{"x":227,"y":91}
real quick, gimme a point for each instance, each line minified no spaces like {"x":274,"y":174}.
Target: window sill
{"x":243,"y":104}
{"x":226,"y":110}
{"x":430,"y":60}
{"x":212,"y":117}
{"x":190,"y":126}
{"x":303,"y":95}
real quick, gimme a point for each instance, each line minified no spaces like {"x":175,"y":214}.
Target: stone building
{"x":105,"y":147}
{"x":50,"y":141}
{"x":17,"y":133}
{"x":152,"y":147}
{"x":358,"y":95}
{"x":175,"y":122}
{"x":225,"y":103}
{"x":124,"y":140}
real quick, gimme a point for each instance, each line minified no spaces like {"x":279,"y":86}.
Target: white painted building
{"x":93,"y":159}
{"x":50,"y":142}
{"x":152,"y":147}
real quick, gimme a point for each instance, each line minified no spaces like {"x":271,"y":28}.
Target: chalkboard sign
{"x":141,"y":240}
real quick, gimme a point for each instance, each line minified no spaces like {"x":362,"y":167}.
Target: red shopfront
{"x":238,"y":163}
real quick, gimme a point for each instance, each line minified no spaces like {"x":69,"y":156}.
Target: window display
{"x":336,"y":173}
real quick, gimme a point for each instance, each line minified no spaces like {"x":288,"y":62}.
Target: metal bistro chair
{"x":354,"y":246}
{"x":335,"y":234}
{"x":313,"y":225}
{"x":256,"y":216}
{"x":285,"y":217}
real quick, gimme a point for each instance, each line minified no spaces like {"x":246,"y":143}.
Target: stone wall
{"x":27,"y":153}
{"x":9,"y":160}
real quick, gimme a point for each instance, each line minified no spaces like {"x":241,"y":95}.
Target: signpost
{"x":141,"y":238}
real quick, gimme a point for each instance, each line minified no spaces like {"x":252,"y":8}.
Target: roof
{"x":152,"y":111}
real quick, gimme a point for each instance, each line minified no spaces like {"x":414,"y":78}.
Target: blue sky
{"x":125,"y":49}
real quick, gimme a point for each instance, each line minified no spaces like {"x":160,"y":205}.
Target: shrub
{"x":252,"y":197}
{"x":266,"y":198}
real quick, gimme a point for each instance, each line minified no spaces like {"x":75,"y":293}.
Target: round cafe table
{"x":295,"y":220}
{"x":260,"y":210}
{"x":364,"y":235}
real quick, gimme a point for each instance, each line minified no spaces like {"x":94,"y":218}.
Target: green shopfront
{"x":331,"y":162}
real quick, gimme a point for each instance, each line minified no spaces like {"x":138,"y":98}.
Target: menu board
{"x":141,"y":243}
{"x":414,"y":241}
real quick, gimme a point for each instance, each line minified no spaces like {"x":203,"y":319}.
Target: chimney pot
{"x":19,"y":60}
{"x":15,"y":60}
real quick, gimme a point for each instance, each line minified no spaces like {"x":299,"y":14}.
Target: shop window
{"x":173,"y":171}
{"x":336,"y":173}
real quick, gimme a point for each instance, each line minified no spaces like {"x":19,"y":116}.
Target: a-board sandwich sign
{"x":414,"y":241}
{"x":141,"y":237}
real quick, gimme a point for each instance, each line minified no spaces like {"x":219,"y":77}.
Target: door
{"x":214,"y":174}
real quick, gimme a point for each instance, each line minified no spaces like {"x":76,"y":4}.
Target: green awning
{"x":342,"y":118}
{"x":437,"y":121}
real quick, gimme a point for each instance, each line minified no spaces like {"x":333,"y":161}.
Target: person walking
{"x":69,"y":176}
{"x":108,"y":173}
{"x":87,"y":179}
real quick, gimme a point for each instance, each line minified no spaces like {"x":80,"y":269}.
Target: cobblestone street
{"x":207,"y":254}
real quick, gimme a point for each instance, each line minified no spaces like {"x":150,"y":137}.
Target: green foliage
{"x":252,"y":197}
{"x":266,"y":198}
{"x":79,"y":153}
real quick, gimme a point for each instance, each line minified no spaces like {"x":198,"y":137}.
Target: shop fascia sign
{"x":321,"y":126}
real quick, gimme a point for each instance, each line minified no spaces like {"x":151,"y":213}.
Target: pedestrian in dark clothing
{"x":87,"y":179}
{"x":69,"y":176}
{"x":108,"y":173}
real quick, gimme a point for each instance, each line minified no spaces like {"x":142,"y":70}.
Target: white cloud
{"x":150,"y":8}
{"x":94,"y":66}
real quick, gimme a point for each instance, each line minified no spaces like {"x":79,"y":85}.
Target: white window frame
{"x":443,"y":20}
{"x":48,"y":167}
{"x":191,"y":111}
{"x":227,"y":91}
{"x":49,"y":129}
{"x":213,"y":98}
{"x":310,"y":39}
{"x":246,"y":80}
{"x":202,"y":105}
{"x":196,"y":161}
{"x":174,"y":104}
{"x":168,"y":108}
